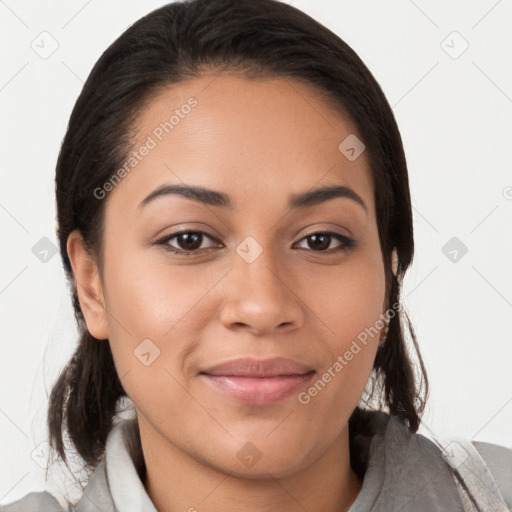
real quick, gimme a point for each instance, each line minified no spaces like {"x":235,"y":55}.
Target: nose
{"x":261,"y":297}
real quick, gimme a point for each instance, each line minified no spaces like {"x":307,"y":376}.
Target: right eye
{"x":189,"y":242}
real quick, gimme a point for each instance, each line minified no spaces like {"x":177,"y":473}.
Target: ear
{"x":88,"y":286}
{"x":394,"y":269}
{"x":394,"y":261}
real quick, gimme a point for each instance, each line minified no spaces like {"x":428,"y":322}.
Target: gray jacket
{"x":405,"y":472}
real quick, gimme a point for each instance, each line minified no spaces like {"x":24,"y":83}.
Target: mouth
{"x":258,"y":382}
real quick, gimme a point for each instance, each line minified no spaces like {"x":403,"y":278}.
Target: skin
{"x":257,"y":141}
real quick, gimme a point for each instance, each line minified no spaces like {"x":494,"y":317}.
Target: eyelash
{"x":346,"y":243}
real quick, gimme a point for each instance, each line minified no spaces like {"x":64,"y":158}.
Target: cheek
{"x":349,"y":300}
{"x":151,"y":297}
{"x":145,"y":301}
{"x":153,"y":323}
{"x":351,"y":313}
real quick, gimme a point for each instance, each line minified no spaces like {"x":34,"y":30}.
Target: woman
{"x":235,"y":219}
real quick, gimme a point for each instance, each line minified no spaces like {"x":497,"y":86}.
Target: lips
{"x":249,"y":367}
{"x":258,"y":382}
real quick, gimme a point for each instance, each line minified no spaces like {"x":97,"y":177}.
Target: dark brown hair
{"x":255,"y":38}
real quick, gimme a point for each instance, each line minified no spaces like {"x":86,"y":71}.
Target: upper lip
{"x":250,"y":367}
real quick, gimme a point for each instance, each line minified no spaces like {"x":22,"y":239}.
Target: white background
{"x":455,"y":117}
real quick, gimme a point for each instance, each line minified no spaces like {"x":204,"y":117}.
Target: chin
{"x":261,"y":459}
{"x":264,"y":470}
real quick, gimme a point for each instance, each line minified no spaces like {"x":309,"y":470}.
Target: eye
{"x":319,"y":241}
{"x":190,"y":242}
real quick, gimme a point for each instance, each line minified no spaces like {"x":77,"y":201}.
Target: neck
{"x":176,"y":481}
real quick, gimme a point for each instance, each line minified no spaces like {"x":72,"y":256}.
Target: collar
{"x":404,"y":471}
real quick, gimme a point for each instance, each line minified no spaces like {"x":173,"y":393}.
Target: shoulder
{"x":434,"y":469}
{"x":35,"y":501}
{"x":96,"y":497}
{"x":499,"y":461}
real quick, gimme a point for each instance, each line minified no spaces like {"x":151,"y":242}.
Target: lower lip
{"x":258,"y":390}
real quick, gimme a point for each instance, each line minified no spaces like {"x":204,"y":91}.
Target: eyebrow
{"x":215,"y":198}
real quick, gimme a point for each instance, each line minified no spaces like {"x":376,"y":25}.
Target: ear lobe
{"x":88,"y":286}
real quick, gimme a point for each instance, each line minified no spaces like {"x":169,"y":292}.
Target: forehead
{"x":257,"y":140}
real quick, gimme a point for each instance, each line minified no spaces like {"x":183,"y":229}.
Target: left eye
{"x":189,"y":242}
{"x":320,"y":241}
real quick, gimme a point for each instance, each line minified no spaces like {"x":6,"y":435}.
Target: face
{"x":257,"y":278}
